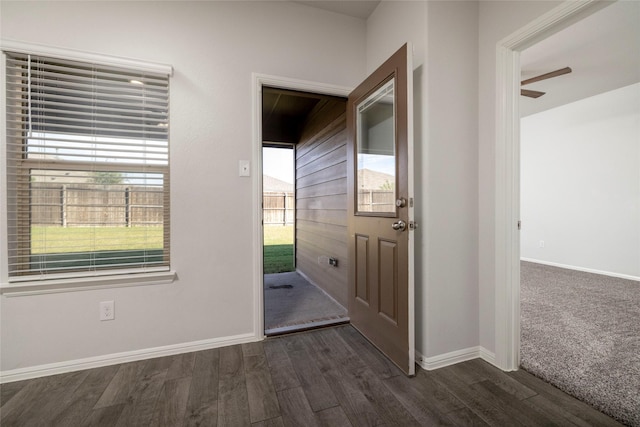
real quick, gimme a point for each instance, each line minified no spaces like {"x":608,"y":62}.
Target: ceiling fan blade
{"x":556,"y":73}
{"x":531,"y":93}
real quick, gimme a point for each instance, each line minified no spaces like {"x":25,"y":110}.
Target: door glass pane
{"x":376,"y":178}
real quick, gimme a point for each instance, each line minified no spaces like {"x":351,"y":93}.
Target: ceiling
{"x":285,"y":112}
{"x":356,"y":8}
{"x":603,"y":50}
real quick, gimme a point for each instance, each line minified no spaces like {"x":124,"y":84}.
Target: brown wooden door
{"x":379,"y":121}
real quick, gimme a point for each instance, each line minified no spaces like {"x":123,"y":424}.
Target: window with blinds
{"x":87,"y":168}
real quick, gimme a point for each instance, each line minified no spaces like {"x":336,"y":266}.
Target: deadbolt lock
{"x":401,"y":202}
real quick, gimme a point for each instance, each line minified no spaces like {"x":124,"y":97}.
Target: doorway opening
{"x":278,"y":208}
{"x":579,"y":240}
{"x":507,"y":173}
{"x":304,"y":210}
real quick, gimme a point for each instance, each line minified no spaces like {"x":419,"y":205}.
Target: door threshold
{"x":306,"y":326}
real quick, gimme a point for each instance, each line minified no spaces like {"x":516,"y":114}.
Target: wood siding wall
{"x":321,"y":198}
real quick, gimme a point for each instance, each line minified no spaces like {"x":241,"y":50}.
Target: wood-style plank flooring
{"x":328,"y":377}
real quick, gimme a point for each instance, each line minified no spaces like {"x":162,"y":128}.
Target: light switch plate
{"x":244,"y":168}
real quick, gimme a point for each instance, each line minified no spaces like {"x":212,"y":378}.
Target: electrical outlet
{"x":107,"y":310}
{"x":541,"y":244}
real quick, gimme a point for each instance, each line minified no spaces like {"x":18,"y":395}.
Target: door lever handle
{"x":399,"y":225}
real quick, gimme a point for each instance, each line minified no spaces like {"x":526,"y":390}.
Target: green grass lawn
{"x":278,"y":248}
{"x":278,"y":242}
{"x":54,"y":247}
{"x":52,"y":239}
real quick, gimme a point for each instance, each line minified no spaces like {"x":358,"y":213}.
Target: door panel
{"x":379,"y":149}
{"x":362,"y":268}
{"x":388,"y":282}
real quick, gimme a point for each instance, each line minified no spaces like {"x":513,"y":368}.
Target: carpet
{"x":581,"y":333}
{"x":290,"y":300}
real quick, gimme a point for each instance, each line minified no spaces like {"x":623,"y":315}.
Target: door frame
{"x":507,"y":171}
{"x":258,"y":82}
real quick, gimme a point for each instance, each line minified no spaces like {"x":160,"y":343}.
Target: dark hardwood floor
{"x":329,"y":377}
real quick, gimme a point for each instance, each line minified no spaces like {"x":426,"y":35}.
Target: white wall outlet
{"x":541,"y":244}
{"x":244,"y":168}
{"x":107,"y":311}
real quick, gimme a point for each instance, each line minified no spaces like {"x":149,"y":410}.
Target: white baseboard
{"x":487,"y":356}
{"x":458,"y":356}
{"x":586,"y":270}
{"x":124,"y":357}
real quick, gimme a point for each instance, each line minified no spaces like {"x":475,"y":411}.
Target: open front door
{"x":380,"y":188}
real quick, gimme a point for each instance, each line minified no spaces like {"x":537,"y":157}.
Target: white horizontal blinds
{"x":88,"y":167}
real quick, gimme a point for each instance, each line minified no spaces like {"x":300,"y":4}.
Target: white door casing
{"x":507,"y":172}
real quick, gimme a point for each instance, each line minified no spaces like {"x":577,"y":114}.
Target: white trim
{"x":256,"y":191}
{"x":584,"y":269}
{"x":411,"y":213}
{"x":117,"y":358}
{"x":507,"y":172}
{"x":86,"y":283}
{"x":507,"y":303}
{"x":4,"y":238}
{"x":453,"y":357}
{"x":299,"y":85}
{"x":258,"y":81}
{"x":78,"y":55}
{"x":487,"y":356}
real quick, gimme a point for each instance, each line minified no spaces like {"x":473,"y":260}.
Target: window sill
{"x":39,"y":287}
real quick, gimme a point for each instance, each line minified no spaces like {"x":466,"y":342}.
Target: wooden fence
{"x":278,"y":208}
{"x":127,"y":206}
{"x":98,"y":205}
{"x":376,"y":201}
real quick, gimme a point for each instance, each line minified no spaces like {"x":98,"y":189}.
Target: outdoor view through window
{"x":376,"y":180}
{"x":88,"y":164}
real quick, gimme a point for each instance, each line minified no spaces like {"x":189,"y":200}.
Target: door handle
{"x":399,"y":225}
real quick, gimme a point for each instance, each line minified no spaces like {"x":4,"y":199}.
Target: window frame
{"x":71,"y":281}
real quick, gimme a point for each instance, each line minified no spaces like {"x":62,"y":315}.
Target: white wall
{"x":444,"y":35}
{"x":580,"y":184}
{"x":214,"y":47}
{"x":498,"y":19}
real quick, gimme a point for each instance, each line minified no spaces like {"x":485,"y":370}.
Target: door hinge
{"x":413,"y":225}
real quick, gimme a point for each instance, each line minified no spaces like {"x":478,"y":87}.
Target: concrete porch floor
{"x":292,"y":303}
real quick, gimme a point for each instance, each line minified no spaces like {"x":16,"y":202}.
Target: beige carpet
{"x":581,"y":333}
{"x":290,"y":301}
